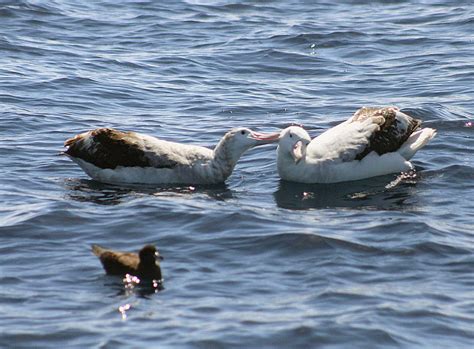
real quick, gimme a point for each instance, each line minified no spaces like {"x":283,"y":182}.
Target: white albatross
{"x":112,"y":156}
{"x":373,"y":142}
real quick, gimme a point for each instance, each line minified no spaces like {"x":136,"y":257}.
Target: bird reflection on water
{"x":380,"y":193}
{"x":85,"y":190}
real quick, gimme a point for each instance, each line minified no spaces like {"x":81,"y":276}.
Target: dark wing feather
{"x":109,"y":148}
{"x":393,"y":132}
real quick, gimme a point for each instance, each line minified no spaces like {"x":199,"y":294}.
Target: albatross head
{"x":238,"y":140}
{"x":293,"y":142}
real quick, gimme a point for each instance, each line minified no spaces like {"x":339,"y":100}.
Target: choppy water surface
{"x":256,"y":263}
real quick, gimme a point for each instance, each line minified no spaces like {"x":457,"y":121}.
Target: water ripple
{"x":257,"y":262}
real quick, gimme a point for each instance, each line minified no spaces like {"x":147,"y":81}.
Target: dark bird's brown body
{"x":144,"y":265}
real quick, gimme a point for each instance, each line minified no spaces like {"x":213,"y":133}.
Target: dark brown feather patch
{"x":391,"y":135}
{"x":109,"y":148}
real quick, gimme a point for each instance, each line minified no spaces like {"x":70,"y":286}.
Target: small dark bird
{"x":144,"y":265}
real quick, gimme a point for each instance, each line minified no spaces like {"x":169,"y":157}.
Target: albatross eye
{"x":291,"y":136}
{"x":242,"y":132}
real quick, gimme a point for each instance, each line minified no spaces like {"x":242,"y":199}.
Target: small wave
{"x":295,"y":243}
{"x":457,"y":172}
{"x":71,"y":80}
{"x":435,"y":112}
{"x":430,"y":248}
{"x":20,"y":7}
{"x":331,"y":39}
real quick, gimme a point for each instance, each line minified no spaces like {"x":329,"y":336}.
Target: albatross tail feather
{"x":416,"y":141}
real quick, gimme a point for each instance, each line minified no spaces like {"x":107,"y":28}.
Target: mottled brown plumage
{"x":393,"y":132}
{"x":116,"y":157}
{"x":373,"y":142}
{"x":109,"y":148}
{"x":144,"y":265}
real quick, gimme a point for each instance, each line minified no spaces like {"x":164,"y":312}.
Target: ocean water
{"x":255,"y":263}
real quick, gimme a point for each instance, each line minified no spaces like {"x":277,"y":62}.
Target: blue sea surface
{"x":386,"y":262}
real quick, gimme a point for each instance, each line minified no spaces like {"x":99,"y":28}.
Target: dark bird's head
{"x":149,"y":266}
{"x":149,"y":254}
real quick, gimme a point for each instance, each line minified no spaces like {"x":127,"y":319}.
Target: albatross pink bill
{"x":267,"y":137}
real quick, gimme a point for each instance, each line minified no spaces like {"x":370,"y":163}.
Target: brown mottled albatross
{"x":112,"y":156}
{"x":373,"y":142}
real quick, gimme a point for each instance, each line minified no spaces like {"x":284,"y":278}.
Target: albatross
{"x":373,"y":142}
{"x":111,"y":156}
